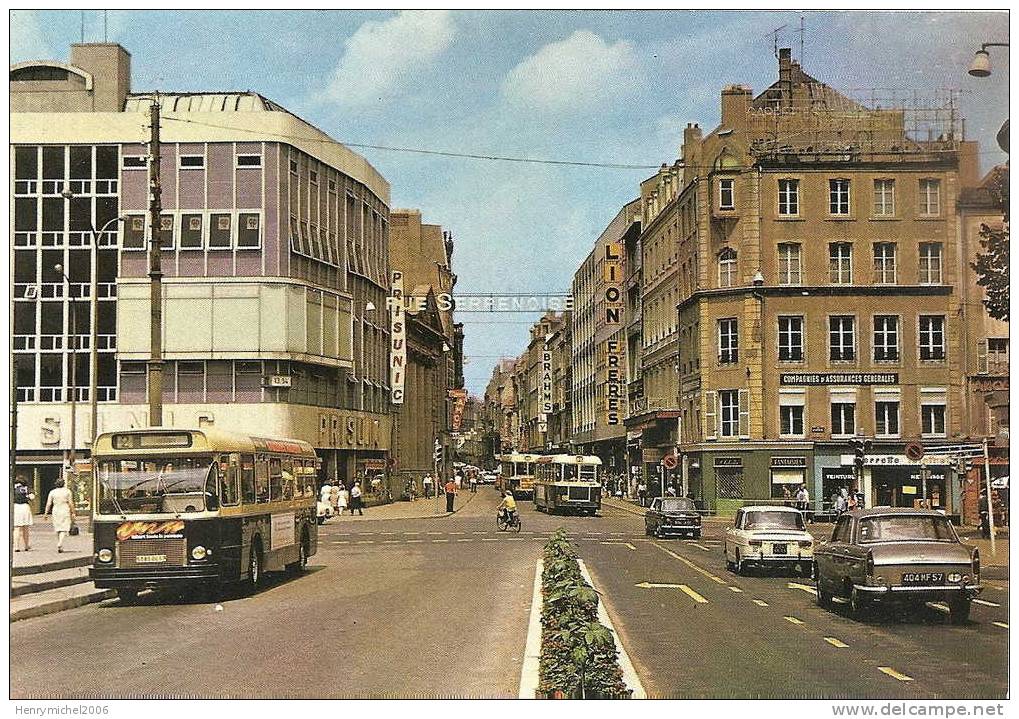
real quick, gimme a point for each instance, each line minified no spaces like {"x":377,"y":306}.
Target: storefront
{"x":896,"y":481}
{"x":788,"y":474}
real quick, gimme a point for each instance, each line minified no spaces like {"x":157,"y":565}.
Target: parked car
{"x":765,"y":536}
{"x":325,"y":511}
{"x":892,"y":555}
{"x":672,"y":515}
{"x":488,"y":477}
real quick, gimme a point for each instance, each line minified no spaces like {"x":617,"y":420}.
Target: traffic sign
{"x":914,"y":451}
{"x":670,"y":461}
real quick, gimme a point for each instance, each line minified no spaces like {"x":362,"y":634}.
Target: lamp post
{"x":73,"y":346}
{"x":981,"y":64}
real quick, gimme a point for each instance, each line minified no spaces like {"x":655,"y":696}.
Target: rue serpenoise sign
{"x":838,"y":378}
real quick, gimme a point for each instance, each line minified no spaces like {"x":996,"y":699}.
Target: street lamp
{"x":73,"y":346}
{"x":981,"y":64}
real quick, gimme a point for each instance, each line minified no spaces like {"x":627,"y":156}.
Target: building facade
{"x":274,"y":250}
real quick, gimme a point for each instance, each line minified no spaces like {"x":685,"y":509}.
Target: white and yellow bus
{"x":517,"y":473}
{"x":199,"y":507}
{"x":568,"y":483}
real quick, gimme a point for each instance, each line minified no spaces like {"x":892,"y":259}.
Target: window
{"x":842,"y":338}
{"x":229,"y":473}
{"x":791,"y":420}
{"x":884,"y":263}
{"x":293,"y":167}
{"x":933,"y":420}
{"x":248,"y":230}
{"x":247,"y":478}
{"x":930,"y":197}
{"x":192,"y":162}
{"x":930,"y":263}
{"x":790,"y":339}
{"x":884,"y":198}
{"x":843,"y":418}
{"x":886,"y":418}
{"x":166,"y":232}
{"x":190,"y":232}
{"x":726,"y":199}
{"x":134,"y":233}
{"x":728,"y":341}
{"x":219,"y":231}
{"x":249,"y":161}
{"x":727,"y":267}
{"x":728,"y":401}
{"x":134,"y":162}
{"x":932,"y":337}
{"x":788,"y":197}
{"x":886,"y":338}
{"x":838,"y":197}
{"x":840,"y":255}
{"x":789,"y":264}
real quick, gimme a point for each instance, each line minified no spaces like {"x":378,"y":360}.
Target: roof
{"x":769,"y":508}
{"x":204,"y":102}
{"x":879,"y":511}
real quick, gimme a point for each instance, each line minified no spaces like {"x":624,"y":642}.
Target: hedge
{"x":579,"y":659}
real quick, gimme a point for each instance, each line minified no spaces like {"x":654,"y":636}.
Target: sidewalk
{"x":43,"y":552}
{"x":420,"y":508}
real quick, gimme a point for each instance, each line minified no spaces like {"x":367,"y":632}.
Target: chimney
{"x":691,"y":149}
{"x":969,"y":163}
{"x":110,"y":67}
{"x":735,"y":103}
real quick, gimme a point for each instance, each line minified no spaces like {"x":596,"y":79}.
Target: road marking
{"x":690,"y":564}
{"x":657,"y":585}
{"x":986,"y":603}
{"x":995,"y":586}
{"x":802,"y":587}
{"x":692,"y":594}
{"x":508,"y":539}
{"x":369,"y":541}
{"x":941,"y":607}
{"x":895,"y":675}
{"x":479,"y":532}
{"x":415,"y":541}
{"x":631,"y":547}
{"x":700,"y":546}
{"x":391,"y":541}
{"x":465,"y":540}
{"x":488,"y":539}
{"x":457,"y":532}
{"x":793,"y":620}
{"x":343,"y":541}
{"x":836,"y":643}
{"x":439,"y":541}
{"x":431,"y":533}
{"x":1003,"y":625}
{"x":760,"y":602}
{"x":411,"y":533}
{"x":388,"y":533}
{"x":735,"y":589}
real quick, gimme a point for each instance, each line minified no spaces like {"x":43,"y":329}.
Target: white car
{"x":768,"y":536}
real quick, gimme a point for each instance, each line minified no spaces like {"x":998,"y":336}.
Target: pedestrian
{"x":851,"y":502}
{"x":355,"y":499}
{"x":427,"y":484}
{"x":458,"y":479}
{"x":343,"y":499}
{"x":61,"y":506}
{"x":22,"y":515}
{"x":334,"y":495}
{"x":450,"y":494}
{"x":840,"y":504}
{"x":642,"y":493}
{"x":671,"y":491}
{"x":802,"y":498}
{"x":474,"y":483}
{"x":325,"y":493}
{"x":985,"y":517}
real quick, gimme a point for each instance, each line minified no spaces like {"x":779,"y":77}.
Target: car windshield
{"x":144,"y":486}
{"x":774,"y":520}
{"x":678,"y":504}
{"x":906,"y":528}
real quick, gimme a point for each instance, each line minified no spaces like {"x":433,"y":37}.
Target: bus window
{"x":310,"y":476}
{"x":287,"y":479}
{"x":248,"y":478}
{"x":228,"y":481}
{"x":211,"y":489}
{"x":261,"y":481}
{"x":275,"y":479}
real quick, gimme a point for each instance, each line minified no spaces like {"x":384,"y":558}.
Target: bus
{"x":568,"y":483}
{"x":199,"y":508}
{"x":517,"y":473}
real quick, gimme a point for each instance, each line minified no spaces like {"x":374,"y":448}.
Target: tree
{"x":991,"y":265}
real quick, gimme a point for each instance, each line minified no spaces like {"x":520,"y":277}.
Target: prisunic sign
{"x":398,"y":335}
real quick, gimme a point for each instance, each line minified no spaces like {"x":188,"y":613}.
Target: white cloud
{"x":381,"y":56}
{"x":578,"y":73}
{"x":27,"y":40}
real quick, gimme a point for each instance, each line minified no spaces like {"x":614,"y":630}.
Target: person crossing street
{"x":450,"y":494}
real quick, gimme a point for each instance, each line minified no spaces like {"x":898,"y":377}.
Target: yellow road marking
{"x":690,"y":564}
{"x":1003,"y":625}
{"x":836,"y":643}
{"x":986,"y":603}
{"x":793,"y":620}
{"x":700,"y":546}
{"x":760,"y":602}
{"x":735,"y":589}
{"x":415,"y":541}
{"x":631,"y":547}
{"x":895,"y":675}
{"x":692,"y":594}
{"x":802,"y":587}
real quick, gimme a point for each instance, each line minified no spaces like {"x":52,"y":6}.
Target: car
{"x":488,"y":477}
{"x":672,"y":515}
{"x":886,"y":555}
{"x":768,"y":536}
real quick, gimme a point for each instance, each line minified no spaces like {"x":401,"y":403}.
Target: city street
{"x":439,"y":607}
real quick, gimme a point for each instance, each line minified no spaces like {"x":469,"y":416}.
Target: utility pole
{"x":155,"y":374}
{"x":990,"y":498}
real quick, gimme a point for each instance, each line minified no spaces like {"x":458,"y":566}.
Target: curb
{"x":61,"y":605}
{"x":24,"y":570}
{"x":529,"y":667}
{"x":36,"y":587}
{"x":629,"y":672}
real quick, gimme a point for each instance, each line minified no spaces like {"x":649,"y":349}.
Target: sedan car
{"x":672,"y":515}
{"x":906,"y":556}
{"x":766,"y":536}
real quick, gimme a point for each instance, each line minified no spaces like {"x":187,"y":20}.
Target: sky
{"x":614,"y":87}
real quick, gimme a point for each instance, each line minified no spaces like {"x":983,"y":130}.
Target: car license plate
{"x":779,"y":549}
{"x":923,"y":578}
{"x":150,"y":558}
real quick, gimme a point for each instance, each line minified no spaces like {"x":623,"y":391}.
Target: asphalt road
{"x":439,"y":608}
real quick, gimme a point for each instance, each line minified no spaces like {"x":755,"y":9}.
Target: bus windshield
{"x":153,"y":486}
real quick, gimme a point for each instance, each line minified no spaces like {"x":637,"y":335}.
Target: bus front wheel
{"x":127,"y":596}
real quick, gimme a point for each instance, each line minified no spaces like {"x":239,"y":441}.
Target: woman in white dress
{"x":22,"y":515}
{"x":341,"y":499}
{"x":62,"y":506}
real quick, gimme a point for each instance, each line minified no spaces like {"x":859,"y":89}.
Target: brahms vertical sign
{"x":398,"y":339}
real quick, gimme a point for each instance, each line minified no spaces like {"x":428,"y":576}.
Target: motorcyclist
{"x":508,"y":507}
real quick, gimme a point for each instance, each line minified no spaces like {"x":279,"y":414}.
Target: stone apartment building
{"x":819,"y":296}
{"x":501,"y":405}
{"x":275,"y":256}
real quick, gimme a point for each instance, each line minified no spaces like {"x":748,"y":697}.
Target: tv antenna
{"x":774,"y":38}
{"x":802,"y":31}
